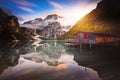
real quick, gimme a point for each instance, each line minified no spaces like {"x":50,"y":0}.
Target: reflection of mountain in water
{"x":57,"y":61}
{"x":30,"y":70}
{"x":51,"y":52}
{"x":36,"y":63}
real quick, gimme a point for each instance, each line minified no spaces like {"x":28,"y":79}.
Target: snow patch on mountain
{"x":41,"y":23}
{"x":51,"y":26}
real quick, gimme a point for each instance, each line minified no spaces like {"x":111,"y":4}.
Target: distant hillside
{"x":104,"y":19}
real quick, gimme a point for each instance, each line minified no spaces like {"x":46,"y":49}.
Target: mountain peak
{"x":39,"y":19}
{"x":52,"y":16}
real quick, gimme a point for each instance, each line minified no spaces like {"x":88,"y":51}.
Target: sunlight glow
{"x":73,"y":14}
{"x":61,"y":66}
{"x":70,"y":14}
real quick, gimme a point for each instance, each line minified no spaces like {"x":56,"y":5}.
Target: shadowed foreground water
{"x":52,"y":60}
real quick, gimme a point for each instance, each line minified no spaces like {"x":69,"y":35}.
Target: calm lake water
{"x":53,"y":60}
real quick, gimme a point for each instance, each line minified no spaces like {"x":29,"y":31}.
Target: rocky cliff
{"x":9,"y":28}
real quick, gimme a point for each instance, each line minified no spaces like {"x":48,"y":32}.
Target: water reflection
{"x":10,"y":53}
{"x":51,"y":52}
{"x":47,"y":60}
{"x":8,"y":56}
{"x":29,"y":70}
{"x":106,"y":61}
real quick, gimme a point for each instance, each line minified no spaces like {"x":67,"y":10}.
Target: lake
{"x":53,"y":60}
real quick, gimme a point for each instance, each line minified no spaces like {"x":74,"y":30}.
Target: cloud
{"x":94,"y":0}
{"x":26,"y":9}
{"x":56,"y":5}
{"x":70,"y":13}
{"x":24,"y":3}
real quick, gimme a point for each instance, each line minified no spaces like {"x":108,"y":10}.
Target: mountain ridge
{"x":48,"y":27}
{"x":102,"y":20}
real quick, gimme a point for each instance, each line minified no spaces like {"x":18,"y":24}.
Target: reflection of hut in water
{"x":102,"y":60}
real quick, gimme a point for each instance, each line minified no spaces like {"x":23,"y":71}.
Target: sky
{"x":70,"y":10}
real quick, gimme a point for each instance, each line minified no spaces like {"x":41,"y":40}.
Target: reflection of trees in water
{"x":9,"y":56}
{"x":25,"y":48}
{"x":10,"y":52}
{"x":8,"y":60}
